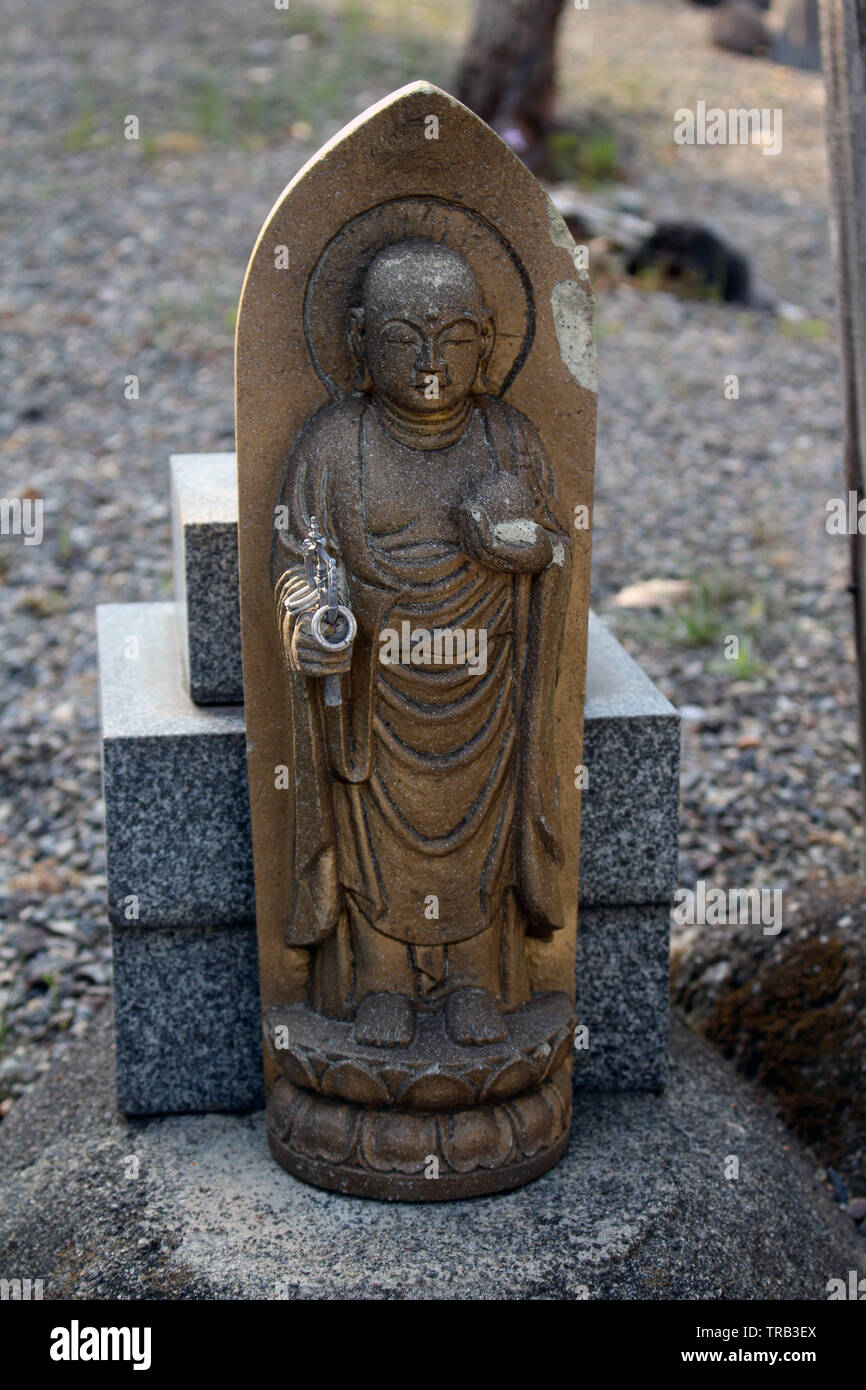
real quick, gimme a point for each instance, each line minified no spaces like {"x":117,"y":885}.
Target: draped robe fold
{"x":427,"y":784}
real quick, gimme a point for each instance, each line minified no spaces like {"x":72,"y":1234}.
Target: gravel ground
{"x":126,"y":257}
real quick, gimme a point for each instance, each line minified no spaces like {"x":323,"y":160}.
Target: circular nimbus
{"x":335,"y":285}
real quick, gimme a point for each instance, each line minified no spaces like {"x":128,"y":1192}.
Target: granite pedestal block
{"x":629,"y":820}
{"x":177,"y":803}
{"x":178,"y":840}
{"x":179,"y":853}
{"x":623,"y":956}
{"x":204,"y":504}
{"x":186,"y":1020}
{"x":188,"y":1035}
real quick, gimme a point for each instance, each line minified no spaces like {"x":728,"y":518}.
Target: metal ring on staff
{"x":334,"y":644}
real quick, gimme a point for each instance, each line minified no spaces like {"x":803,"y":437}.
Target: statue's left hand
{"x":518,"y":544}
{"x":497,"y":526}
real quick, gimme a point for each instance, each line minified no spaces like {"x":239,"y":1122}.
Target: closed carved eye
{"x":399,"y":333}
{"x":457,"y":334}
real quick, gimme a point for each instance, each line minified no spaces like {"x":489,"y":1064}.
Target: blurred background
{"x":126,"y":256}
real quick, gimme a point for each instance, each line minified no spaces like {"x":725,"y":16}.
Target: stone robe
{"x":434,"y":823}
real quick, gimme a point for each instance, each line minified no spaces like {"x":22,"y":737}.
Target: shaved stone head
{"x":422,"y":280}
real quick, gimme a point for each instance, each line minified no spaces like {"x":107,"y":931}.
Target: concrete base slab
{"x":194,"y":1206}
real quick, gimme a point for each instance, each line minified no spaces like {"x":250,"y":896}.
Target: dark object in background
{"x":797,"y":42}
{"x":683,"y":250}
{"x":741,"y":29}
{"x":714,"y":4}
{"x":790,"y":1013}
{"x":507,"y":73}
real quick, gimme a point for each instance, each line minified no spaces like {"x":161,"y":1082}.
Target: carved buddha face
{"x":422,"y":332}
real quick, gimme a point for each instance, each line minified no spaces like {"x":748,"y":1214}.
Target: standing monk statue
{"x":433,"y":847}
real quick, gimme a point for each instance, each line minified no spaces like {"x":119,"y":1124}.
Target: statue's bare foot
{"x":385,"y":1020}
{"x":473,"y":1016}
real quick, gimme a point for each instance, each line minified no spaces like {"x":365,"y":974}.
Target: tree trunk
{"x":507,"y":74}
{"x":843,"y":38}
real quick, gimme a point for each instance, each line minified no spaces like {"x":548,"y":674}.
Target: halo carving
{"x":335,"y":284}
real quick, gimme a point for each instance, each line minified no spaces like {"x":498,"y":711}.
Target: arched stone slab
{"x":417,"y":166}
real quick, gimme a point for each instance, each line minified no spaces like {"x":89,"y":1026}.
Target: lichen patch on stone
{"x":519,"y":532}
{"x":572,"y":317}
{"x":561,"y":236}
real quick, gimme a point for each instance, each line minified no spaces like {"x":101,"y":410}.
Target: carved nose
{"x":429,"y":357}
{"x":431,"y":361}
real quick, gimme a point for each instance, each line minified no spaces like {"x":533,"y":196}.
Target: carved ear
{"x":488,"y":337}
{"x":355,"y":337}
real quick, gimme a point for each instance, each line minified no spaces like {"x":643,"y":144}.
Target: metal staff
{"x":320,"y":594}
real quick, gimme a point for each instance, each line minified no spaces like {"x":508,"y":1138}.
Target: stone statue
{"x":422,"y":570}
{"x":435,"y":841}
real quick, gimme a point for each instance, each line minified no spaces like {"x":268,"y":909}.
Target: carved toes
{"x":473,"y":1017}
{"x":385,"y":1020}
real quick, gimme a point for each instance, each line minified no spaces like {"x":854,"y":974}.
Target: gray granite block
{"x":186,"y":1020}
{"x":177,"y":806}
{"x":204,"y":503}
{"x":178,"y":839}
{"x":631,"y":751}
{"x":181,"y":990}
{"x":623,"y":997}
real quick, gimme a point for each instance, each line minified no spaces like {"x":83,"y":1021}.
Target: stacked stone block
{"x":179,"y":854}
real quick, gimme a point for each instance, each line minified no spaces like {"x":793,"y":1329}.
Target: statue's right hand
{"x":310,"y":658}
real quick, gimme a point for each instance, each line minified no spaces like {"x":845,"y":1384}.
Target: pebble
{"x":692,"y":714}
